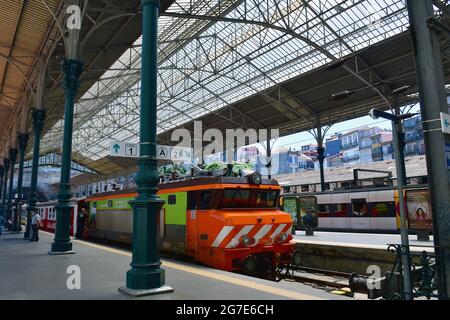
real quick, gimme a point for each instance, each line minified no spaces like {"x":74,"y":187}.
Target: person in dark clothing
{"x":81,"y":221}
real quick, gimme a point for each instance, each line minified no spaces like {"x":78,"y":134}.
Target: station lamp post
{"x":146,"y":276}
{"x":398,"y":137}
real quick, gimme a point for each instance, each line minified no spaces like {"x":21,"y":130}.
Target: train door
{"x":192,"y":223}
{"x":324,"y":211}
{"x":382,"y":210}
{"x":359,"y":215}
{"x":341,"y":207}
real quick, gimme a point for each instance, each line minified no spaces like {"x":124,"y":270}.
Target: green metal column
{"x":38,"y":124}
{"x":397,"y":133}
{"x":146,"y":275}
{"x":321,"y":156}
{"x":5,"y":187}
{"x":9,"y":207}
{"x":61,"y":243}
{"x":433,"y":102}
{"x":401,"y":142}
{"x":23,"y":140}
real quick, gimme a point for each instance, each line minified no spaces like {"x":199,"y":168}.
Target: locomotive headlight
{"x":282,"y":237}
{"x":246,"y":240}
{"x":256,"y":178}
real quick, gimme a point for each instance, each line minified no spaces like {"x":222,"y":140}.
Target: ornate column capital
{"x":72,"y":72}
{"x":38,"y":119}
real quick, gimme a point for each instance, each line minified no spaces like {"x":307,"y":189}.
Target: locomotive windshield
{"x":248,"y":198}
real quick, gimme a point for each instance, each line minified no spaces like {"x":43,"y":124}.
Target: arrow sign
{"x":445,"y":122}
{"x":116,"y":148}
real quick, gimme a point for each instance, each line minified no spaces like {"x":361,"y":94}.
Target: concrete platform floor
{"x":360,"y":240}
{"x":28,"y":272}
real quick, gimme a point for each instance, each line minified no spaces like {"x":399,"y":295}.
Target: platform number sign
{"x":131,"y":149}
{"x":163,"y":152}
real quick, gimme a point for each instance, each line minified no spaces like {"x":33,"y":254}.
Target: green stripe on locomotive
{"x":175,"y":210}
{"x":113,"y":218}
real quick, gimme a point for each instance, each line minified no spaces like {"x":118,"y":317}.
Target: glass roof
{"x":205,"y":65}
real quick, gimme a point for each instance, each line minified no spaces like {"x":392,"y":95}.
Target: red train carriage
{"x":47,"y":211}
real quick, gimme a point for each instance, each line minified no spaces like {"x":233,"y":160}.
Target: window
{"x":248,"y":198}
{"x":325,"y":210}
{"x":205,"y":200}
{"x":382,"y":209}
{"x":110,"y":203}
{"x":266,"y":199}
{"x":235,"y":198}
{"x":340,"y":210}
{"x":359,"y":208}
{"x":172,"y":199}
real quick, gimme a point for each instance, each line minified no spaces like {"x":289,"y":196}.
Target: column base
{"x":60,"y":253}
{"x":145,"y":279}
{"x":61,"y":248}
{"x":136,"y":293}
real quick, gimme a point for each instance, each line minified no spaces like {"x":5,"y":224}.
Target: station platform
{"x":361,"y":240}
{"x":28,"y":272}
{"x":353,"y":252}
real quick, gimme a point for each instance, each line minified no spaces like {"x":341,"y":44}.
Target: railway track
{"x":326,"y":279}
{"x":320,"y":278}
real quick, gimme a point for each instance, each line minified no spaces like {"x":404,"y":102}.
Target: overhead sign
{"x":124,"y":149}
{"x":445,"y":122}
{"x":131,"y":150}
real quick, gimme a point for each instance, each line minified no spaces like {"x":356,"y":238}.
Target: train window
{"x":382,"y":209}
{"x":94,"y":205}
{"x":110,"y":203}
{"x":266,"y":199}
{"x":191,"y":203}
{"x":248,"y":198}
{"x":340,"y":210}
{"x":235,"y":198}
{"x":325,"y":210}
{"x":172,"y":199}
{"x":359,"y":208}
{"x":205,"y":200}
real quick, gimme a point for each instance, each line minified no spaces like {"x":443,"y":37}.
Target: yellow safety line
{"x":208,"y":274}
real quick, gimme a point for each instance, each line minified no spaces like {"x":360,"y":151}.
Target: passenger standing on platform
{"x":35,"y":221}
{"x":80,"y":223}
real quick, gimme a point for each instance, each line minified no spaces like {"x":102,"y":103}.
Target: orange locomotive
{"x":230,"y":223}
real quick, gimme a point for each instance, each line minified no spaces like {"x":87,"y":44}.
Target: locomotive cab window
{"x":205,"y":200}
{"x":266,"y":199}
{"x":248,"y":198}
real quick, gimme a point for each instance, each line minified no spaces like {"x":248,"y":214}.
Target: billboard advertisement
{"x":419,"y":210}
